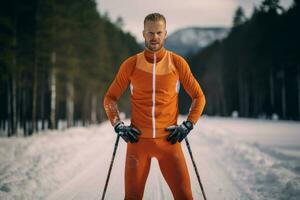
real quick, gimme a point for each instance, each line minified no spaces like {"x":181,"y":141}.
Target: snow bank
{"x":33,"y":167}
{"x":262,"y":169}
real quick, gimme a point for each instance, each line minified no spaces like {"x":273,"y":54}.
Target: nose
{"x":154,"y":36}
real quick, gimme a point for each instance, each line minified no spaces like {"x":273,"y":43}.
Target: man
{"x":154,"y":76}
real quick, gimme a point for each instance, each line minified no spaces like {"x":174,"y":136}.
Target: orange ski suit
{"x":154,"y":80}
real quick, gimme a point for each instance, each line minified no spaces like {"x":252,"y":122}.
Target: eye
{"x":150,"y":34}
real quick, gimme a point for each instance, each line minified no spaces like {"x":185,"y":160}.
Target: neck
{"x":151,"y":51}
{"x":150,"y":54}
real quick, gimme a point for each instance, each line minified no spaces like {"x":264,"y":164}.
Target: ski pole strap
{"x":110,"y":167}
{"x":195,"y":167}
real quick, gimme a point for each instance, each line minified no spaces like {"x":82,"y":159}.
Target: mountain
{"x":193,"y":39}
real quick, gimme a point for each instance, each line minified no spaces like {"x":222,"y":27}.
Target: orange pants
{"x":171,"y":162}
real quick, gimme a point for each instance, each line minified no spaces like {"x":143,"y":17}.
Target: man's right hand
{"x":128,"y":133}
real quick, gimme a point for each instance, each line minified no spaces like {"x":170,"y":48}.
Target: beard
{"x":154,"y":47}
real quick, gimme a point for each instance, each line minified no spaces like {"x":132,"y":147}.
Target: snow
{"x":193,"y":39}
{"x":198,"y":36}
{"x":237,"y":158}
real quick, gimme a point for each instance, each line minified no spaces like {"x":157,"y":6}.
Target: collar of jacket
{"x":149,"y":55}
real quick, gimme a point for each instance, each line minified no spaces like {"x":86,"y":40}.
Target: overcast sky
{"x":179,"y":14}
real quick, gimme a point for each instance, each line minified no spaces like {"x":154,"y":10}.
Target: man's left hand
{"x":179,"y":132}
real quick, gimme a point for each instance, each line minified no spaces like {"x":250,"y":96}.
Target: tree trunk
{"x":223,"y":100}
{"x":43,"y":98}
{"x":14,"y":106}
{"x":283,"y":96}
{"x":246,"y":99}
{"x":298,"y":85}
{"x":34,"y":96}
{"x":86,"y":107}
{"x":9,"y":117}
{"x":100,"y":109}
{"x":94,"y":109}
{"x":12,"y":89}
{"x":53,"y":97}
{"x":24,"y":112}
{"x":70,"y":103}
{"x":2,"y":125}
{"x":35,"y":71}
{"x":19,"y":107}
{"x":241,"y":94}
{"x":272,"y":98}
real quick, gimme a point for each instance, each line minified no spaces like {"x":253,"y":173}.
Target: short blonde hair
{"x":155,"y":17}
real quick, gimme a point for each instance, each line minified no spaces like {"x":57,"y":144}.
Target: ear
{"x":144,"y":34}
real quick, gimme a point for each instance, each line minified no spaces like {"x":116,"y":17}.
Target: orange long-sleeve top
{"x":154,"y":79}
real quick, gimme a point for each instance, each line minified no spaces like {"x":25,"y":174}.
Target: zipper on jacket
{"x":153,"y":97}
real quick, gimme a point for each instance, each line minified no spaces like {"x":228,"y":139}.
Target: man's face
{"x":155,"y":34}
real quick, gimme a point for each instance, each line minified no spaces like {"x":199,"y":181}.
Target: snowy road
{"x":237,"y":159}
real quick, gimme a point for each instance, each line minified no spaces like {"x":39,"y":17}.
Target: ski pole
{"x":195,"y":167}
{"x":110,"y":167}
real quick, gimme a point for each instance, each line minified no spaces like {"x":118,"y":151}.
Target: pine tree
{"x":239,"y":17}
{"x":271,"y":5}
{"x":296,"y":3}
{"x":57,"y":59}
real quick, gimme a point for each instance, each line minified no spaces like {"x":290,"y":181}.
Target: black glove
{"x":178,"y":133}
{"x":128,"y":133}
